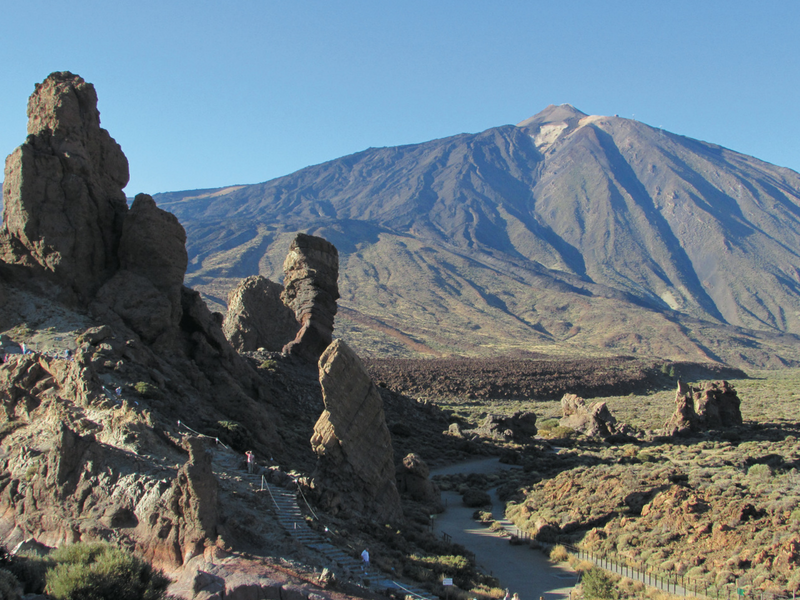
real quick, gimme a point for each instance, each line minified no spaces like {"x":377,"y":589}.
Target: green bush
{"x":597,"y":584}
{"x":269,"y":365}
{"x":146,"y":390}
{"x":102,"y":572}
{"x":548,"y":424}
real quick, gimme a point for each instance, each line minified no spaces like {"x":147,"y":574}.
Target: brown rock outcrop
{"x":190,"y":513}
{"x":414,"y":480}
{"x":713,"y":406}
{"x":519,"y":427}
{"x":351,"y":438}
{"x":62,"y":194}
{"x":311,"y":273}
{"x":257,"y":317}
{"x":146,"y":291}
{"x":593,"y":421}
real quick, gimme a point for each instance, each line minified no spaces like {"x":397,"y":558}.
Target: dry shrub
{"x":559,"y":554}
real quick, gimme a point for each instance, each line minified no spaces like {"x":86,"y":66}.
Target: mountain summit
{"x":565,"y":233}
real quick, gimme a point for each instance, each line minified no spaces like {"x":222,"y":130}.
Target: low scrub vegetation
{"x":712,"y":509}
{"x":81,"y":572}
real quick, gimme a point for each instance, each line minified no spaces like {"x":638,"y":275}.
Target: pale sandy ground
{"x":519,"y":568}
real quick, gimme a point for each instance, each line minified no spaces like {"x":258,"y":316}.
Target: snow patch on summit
{"x":548,"y":134}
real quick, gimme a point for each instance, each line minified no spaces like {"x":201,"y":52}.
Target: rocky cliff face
{"x":62,"y":193}
{"x":356,"y":465}
{"x":257,"y":317}
{"x":94,"y":421}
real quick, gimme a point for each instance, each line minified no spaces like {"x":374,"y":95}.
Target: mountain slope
{"x":566,"y":233}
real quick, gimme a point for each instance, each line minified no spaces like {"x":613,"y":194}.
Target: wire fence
{"x":671,"y":583}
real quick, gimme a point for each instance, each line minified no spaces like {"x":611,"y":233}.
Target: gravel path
{"x":519,"y":568}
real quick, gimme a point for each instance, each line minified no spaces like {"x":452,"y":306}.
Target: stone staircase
{"x":292,"y":519}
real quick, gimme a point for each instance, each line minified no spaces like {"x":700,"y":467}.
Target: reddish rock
{"x":187,"y":518}
{"x":310,"y":281}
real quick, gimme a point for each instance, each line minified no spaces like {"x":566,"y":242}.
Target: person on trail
{"x":515,"y":596}
{"x":365,"y":558}
{"x":507,"y":596}
{"x":251,"y":461}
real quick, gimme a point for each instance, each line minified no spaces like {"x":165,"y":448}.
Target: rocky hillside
{"x":125,"y":412}
{"x":564,"y":234}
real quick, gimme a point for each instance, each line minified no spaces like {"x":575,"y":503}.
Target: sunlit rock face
{"x":351,"y":438}
{"x":63,"y":198}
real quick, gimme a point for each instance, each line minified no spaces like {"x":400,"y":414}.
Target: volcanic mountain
{"x":563,"y":234}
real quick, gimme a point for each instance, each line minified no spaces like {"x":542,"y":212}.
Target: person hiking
{"x":251,"y":461}
{"x":365,"y":558}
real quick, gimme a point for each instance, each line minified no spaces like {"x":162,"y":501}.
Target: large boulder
{"x":713,"y":406}
{"x":257,"y":317}
{"x":62,"y":195}
{"x":595,"y":420}
{"x":310,"y":281}
{"x":519,"y":427}
{"x":351,"y":438}
{"x":414,"y":481}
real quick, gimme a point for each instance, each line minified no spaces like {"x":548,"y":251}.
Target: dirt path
{"x":520,"y":569}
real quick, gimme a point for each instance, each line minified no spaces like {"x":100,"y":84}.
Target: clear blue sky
{"x":206,"y":94}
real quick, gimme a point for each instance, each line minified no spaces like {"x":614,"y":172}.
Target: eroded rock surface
{"x":93,"y":424}
{"x":519,"y":427}
{"x":62,"y":194}
{"x":351,"y":438}
{"x":414,"y":480}
{"x":311,"y":273}
{"x":257,"y":317}
{"x":595,"y":420}
{"x":190,"y":511}
{"x":713,"y":406}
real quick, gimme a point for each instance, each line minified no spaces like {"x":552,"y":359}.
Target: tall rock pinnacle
{"x":311,"y":273}
{"x":62,"y":194}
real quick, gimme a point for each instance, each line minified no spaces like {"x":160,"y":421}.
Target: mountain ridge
{"x":486,"y":227}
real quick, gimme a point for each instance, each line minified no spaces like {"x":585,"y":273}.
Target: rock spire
{"x":311,"y":273}
{"x":62,"y":194}
{"x":351,"y":438}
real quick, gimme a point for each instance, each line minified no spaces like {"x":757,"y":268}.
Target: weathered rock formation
{"x":351,"y":438}
{"x":593,"y":421}
{"x":191,"y":517}
{"x":257,"y":317}
{"x":714,"y":406}
{"x":414,"y":480}
{"x":92,"y":440}
{"x":69,"y":477}
{"x":62,"y":193}
{"x":310,"y":281}
{"x":519,"y":427}
{"x":146,"y":291}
